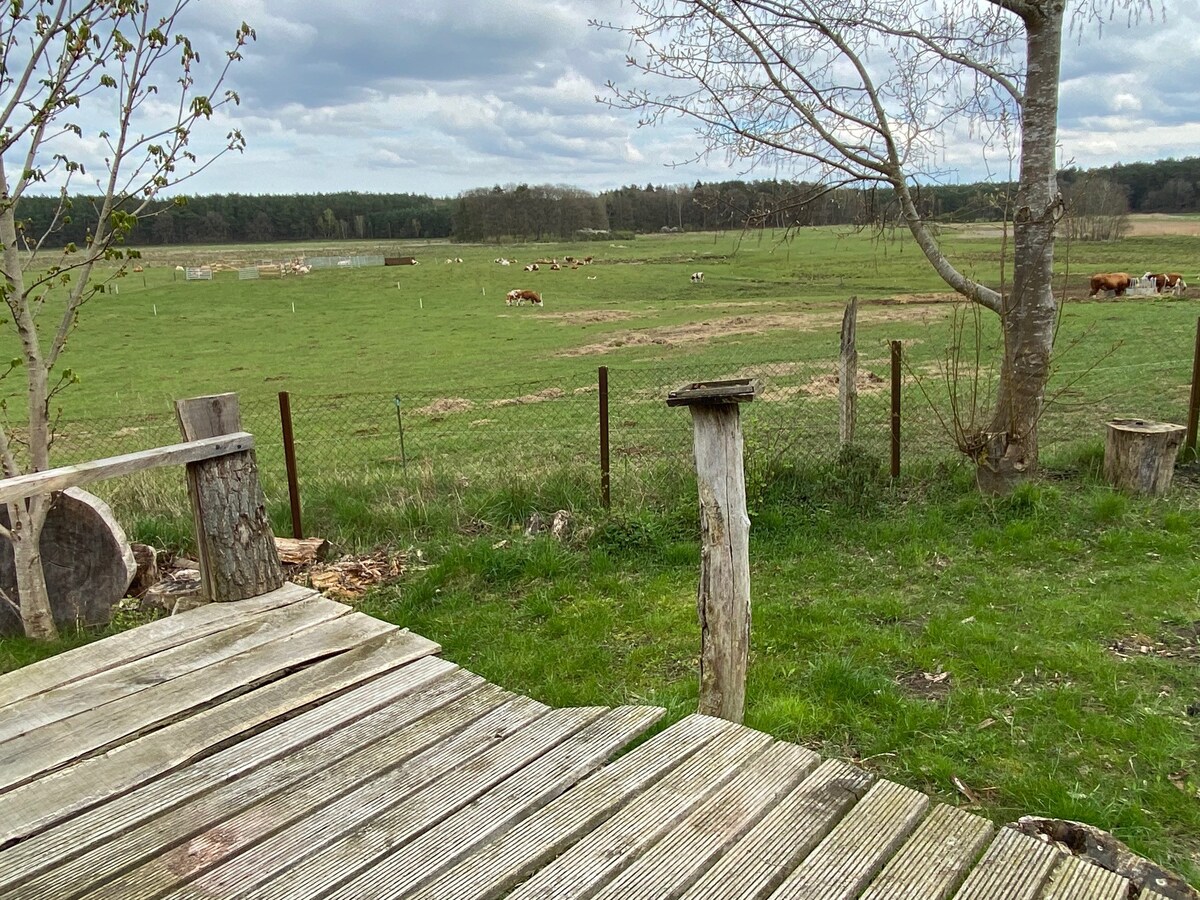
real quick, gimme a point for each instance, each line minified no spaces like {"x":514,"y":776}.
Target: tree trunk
{"x":1029,"y":313}
{"x":32,"y":596}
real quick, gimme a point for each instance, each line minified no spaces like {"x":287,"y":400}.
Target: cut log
{"x":86,"y":558}
{"x":1139,"y":456}
{"x":146,"y":558}
{"x":301,"y":551}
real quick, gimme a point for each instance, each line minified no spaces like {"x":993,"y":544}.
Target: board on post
{"x":236,"y":548}
{"x":723,"y":597}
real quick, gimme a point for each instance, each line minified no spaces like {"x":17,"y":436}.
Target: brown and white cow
{"x":517,"y":297}
{"x":1176,"y":283}
{"x":1117,"y":282}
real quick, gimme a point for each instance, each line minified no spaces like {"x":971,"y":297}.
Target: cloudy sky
{"x":440,"y":96}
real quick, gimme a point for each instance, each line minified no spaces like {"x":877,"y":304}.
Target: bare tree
{"x":872,"y":92}
{"x":109,"y":79}
{"x":1097,"y":210}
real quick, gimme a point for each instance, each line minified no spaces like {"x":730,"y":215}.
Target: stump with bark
{"x":1139,"y":456}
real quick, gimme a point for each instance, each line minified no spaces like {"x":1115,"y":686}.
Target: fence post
{"x":1194,"y":399}
{"x":896,"y":409}
{"x":236,"y":549}
{"x":605,"y":470}
{"x":723,"y":598}
{"x":289,"y":458}
{"x":848,"y":376}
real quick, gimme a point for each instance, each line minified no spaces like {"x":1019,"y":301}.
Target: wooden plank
{"x":689,"y":849}
{"x":608,"y":849}
{"x":508,"y":859}
{"x":1149,"y":894}
{"x":65,"y":793}
{"x":22,"y":486}
{"x":227,"y":827}
{"x":138,"y":643}
{"x":353,"y":836}
{"x":1014,"y":867}
{"x":1079,"y":879}
{"x":851,"y":855}
{"x":103,"y":688}
{"x":53,"y":746}
{"x":936,"y":859}
{"x":334,"y":729}
{"x":525,"y":792}
{"x":759,"y":862}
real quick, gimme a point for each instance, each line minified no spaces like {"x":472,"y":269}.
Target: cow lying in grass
{"x":516,"y":298}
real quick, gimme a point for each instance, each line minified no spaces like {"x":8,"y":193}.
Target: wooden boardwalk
{"x":288,"y":747}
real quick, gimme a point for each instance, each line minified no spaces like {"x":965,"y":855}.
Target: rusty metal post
{"x":289,"y":458}
{"x":1194,"y":400}
{"x":895,"y":409}
{"x":605,"y":468}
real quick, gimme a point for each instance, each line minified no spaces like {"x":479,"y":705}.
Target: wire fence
{"x":535,"y":427}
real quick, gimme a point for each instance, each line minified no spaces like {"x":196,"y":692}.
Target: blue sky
{"x":445,"y":95}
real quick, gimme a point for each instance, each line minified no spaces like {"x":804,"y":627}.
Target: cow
{"x":517,"y":297}
{"x":1117,"y":282}
{"x":1159,"y":281}
{"x":1176,"y":283}
{"x":531,"y":267}
{"x":697,"y":277}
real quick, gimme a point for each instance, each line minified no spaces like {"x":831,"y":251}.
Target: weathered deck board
{"x":286,"y":748}
{"x":93,"y":692}
{"x":1015,"y":867}
{"x":87,"y":782}
{"x":936,"y":859}
{"x":1077,"y":879}
{"x":286,"y":751}
{"x":495,"y":868}
{"x":47,"y":748}
{"x":145,"y":640}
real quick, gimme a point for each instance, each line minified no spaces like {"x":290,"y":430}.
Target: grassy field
{"x":1042,"y":650}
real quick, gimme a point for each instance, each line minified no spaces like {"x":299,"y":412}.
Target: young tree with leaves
{"x":869,"y":92}
{"x":76,"y":75}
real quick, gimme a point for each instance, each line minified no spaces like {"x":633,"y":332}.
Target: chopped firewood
{"x":349,"y":577}
{"x":301,"y":551}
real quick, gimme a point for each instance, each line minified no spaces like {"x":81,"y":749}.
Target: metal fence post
{"x":895,"y":409}
{"x":289,"y":458}
{"x":1194,"y":400}
{"x":605,"y":471}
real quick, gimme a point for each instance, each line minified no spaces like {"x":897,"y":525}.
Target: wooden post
{"x":289,"y":460}
{"x":895,"y":409}
{"x":233,"y":535}
{"x":605,"y":462}
{"x":848,"y":375}
{"x":723,"y":596}
{"x":1139,"y":456}
{"x":1194,"y":398}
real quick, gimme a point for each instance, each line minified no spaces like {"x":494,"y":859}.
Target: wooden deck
{"x":287,"y":747}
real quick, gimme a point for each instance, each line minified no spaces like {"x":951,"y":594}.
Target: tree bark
{"x":32,"y":597}
{"x":1029,"y":313}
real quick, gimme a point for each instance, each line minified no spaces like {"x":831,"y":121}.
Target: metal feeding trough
{"x":738,"y":390}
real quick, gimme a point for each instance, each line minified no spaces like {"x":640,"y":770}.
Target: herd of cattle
{"x":1120,"y":282}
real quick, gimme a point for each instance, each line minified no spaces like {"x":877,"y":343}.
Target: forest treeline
{"x":551,"y":212}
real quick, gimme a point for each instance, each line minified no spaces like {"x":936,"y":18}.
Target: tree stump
{"x":1139,"y":456}
{"x":86,"y":558}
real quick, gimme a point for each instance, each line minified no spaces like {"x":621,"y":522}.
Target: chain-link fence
{"x":538,"y":427}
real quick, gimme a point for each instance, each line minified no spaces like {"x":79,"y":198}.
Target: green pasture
{"x":1035,"y":608}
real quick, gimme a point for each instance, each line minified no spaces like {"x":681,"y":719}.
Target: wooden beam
{"x":22,"y":486}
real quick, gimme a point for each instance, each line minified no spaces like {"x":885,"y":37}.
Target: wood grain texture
{"x":935,"y":860}
{"x":1078,"y":879}
{"x":85,"y":783}
{"x":1015,"y":867}
{"x":342,"y":724}
{"x":723,"y":596}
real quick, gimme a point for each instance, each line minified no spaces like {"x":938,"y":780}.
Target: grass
{"x":864,"y":592}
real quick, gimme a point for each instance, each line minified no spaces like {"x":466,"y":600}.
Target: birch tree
{"x":875,"y":92}
{"x":95,"y":95}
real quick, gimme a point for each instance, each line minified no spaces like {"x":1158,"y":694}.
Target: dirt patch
{"x":827,"y":385}
{"x":698,"y":332}
{"x":590,"y":316}
{"x":925,"y":685}
{"x":923,"y":298}
{"x":540,"y":397}
{"x":1155,"y":224}
{"x":1180,"y":642}
{"x":446,"y":405}
{"x":349,"y":577}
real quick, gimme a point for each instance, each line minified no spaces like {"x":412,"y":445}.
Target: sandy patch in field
{"x":446,"y":405}
{"x":695,"y":332}
{"x":935,"y":297}
{"x":1156,"y":223}
{"x":590,"y":316}
{"x":540,"y":397}
{"x":827,"y":385}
